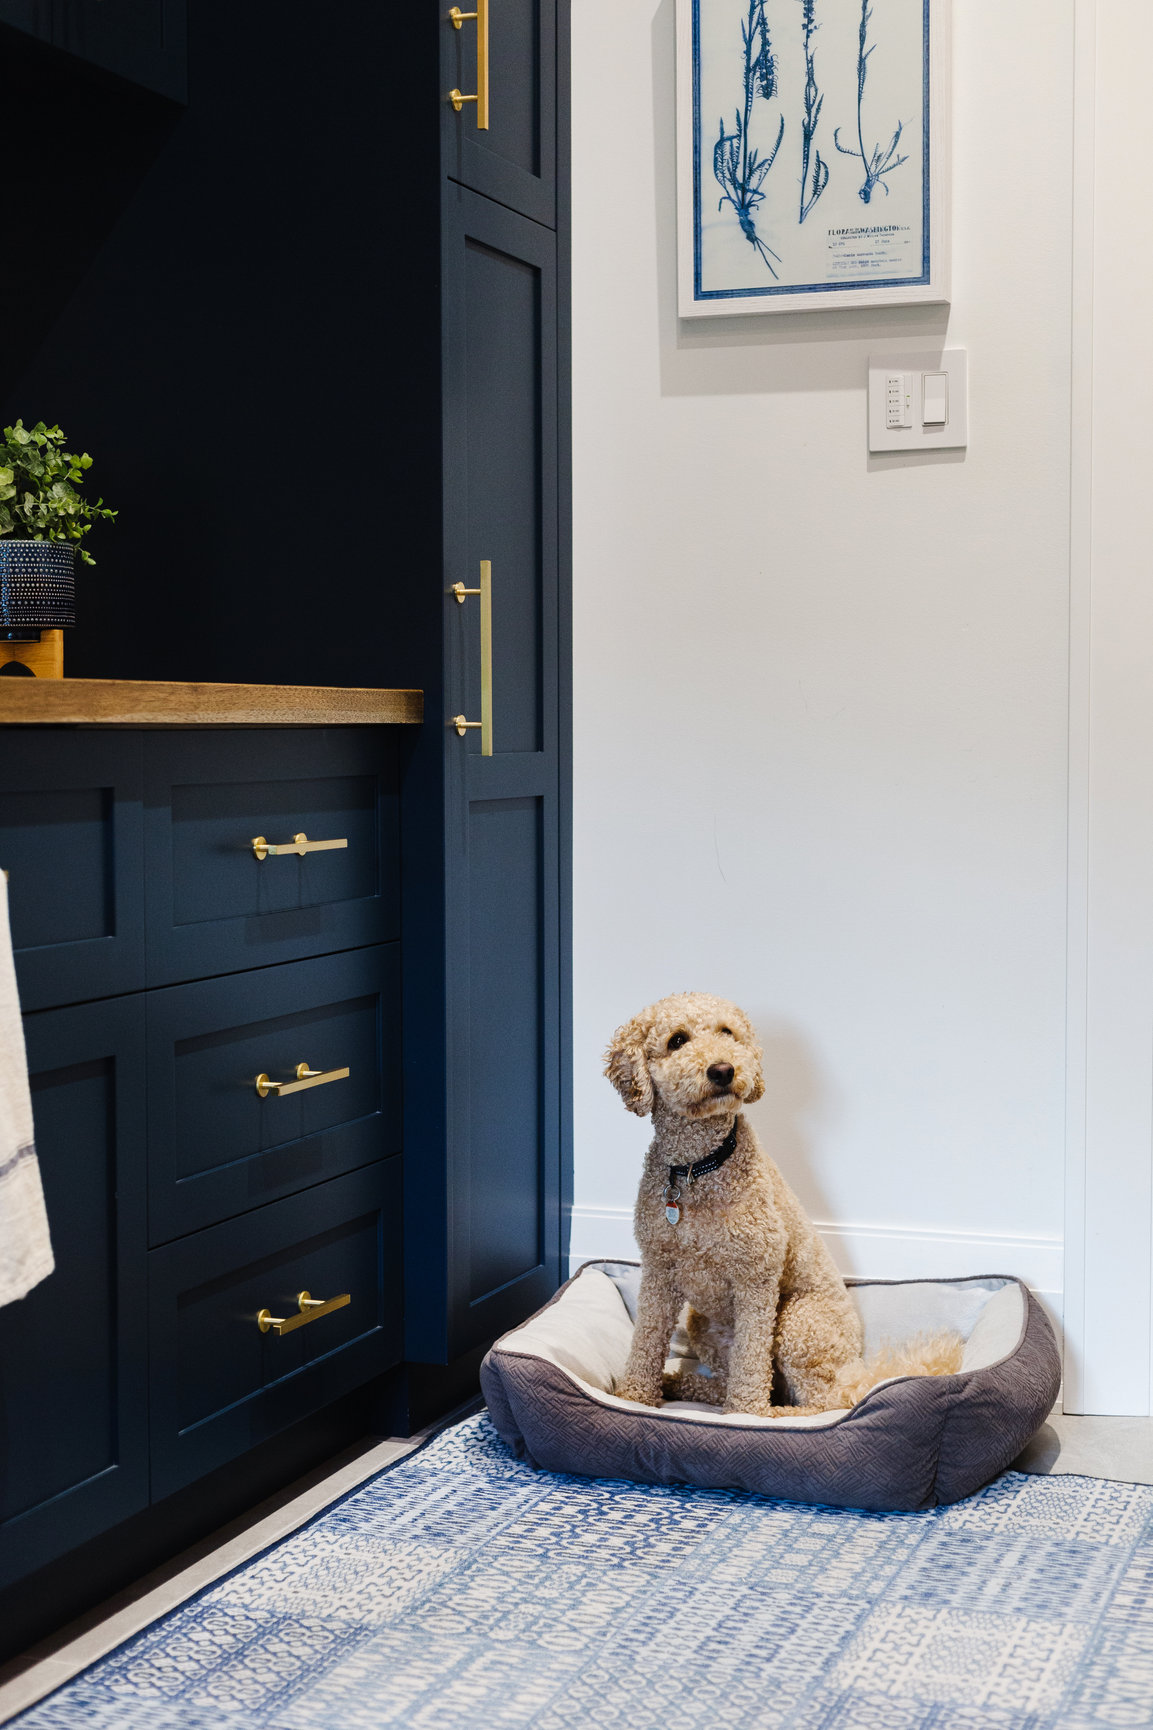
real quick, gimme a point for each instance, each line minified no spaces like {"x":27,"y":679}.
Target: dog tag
{"x":673,"y":1214}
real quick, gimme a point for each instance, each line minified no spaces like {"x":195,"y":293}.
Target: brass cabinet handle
{"x":485,"y":723}
{"x":299,"y":845}
{"x":311,"y":1309}
{"x":457,"y":19}
{"x":305,"y":1078}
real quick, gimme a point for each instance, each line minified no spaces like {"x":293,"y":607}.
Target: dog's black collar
{"x":712,"y":1162}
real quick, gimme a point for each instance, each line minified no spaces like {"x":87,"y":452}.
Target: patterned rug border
{"x":274,"y":1544}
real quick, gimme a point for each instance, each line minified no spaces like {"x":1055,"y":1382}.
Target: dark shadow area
{"x":222,"y":313}
{"x":83,"y":142}
{"x":1041,"y":1454}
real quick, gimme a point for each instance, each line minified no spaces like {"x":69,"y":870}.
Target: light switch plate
{"x":907,"y":388}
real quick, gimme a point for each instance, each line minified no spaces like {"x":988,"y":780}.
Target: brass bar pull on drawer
{"x":305,"y":1078}
{"x":299,"y":845}
{"x":311,"y":1309}
{"x":457,"y":19}
{"x":485,"y":722}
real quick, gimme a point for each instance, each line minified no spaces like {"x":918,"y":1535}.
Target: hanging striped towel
{"x":25,"y":1247}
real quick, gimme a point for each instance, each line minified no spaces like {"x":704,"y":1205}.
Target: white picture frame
{"x":813,"y":146}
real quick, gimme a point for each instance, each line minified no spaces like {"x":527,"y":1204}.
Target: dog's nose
{"x":720,"y":1073}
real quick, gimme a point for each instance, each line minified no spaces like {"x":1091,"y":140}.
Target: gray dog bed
{"x":912,"y":1442}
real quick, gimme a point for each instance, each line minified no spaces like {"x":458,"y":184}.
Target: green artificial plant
{"x":38,"y":482}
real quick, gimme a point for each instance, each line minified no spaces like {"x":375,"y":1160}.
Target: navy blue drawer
{"x":70,"y":840}
{"x":219,"y":1386}
{"x":218,"y":1147}
{"x":215,"y":907}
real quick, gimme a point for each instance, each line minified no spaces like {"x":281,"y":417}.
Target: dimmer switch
{"x":899,"y":399}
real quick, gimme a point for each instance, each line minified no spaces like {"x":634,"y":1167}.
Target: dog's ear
{"x":626,"y":1068}
{"x":749,"y":1038}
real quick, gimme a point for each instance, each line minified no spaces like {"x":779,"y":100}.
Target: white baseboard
{"x":869,"y":1251}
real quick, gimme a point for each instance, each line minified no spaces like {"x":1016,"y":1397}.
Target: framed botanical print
{"x":813,"y":154}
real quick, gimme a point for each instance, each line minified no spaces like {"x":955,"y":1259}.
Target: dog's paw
{"x":752,"y":1409}
{"x":643,"y":1394}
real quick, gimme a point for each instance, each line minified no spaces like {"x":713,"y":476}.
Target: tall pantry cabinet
{"x":490,"y":1173}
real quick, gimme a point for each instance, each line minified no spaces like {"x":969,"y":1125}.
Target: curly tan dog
{"x":720,"y":1230}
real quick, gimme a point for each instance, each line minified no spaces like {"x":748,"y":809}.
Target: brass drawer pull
{"x":311,"y":1310}
{"x":299,"y":845}
{"x":305,"y":1078}
{"x":457,"y":19}
{"x":485,"y":722}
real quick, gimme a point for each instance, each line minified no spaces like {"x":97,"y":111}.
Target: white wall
{"x":821,"y":699}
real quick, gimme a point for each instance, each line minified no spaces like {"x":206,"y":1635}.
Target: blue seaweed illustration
{"x":740,"y":169}
{"x":814,"y":170}
{"x":878,"y":163}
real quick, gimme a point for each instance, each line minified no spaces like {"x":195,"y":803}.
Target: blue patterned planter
{"x":37,"y":586}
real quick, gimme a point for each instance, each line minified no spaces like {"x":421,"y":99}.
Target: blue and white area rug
{"x":460,"y":1589}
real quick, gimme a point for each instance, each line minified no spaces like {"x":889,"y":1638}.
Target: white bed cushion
{"x":587,"y":1333}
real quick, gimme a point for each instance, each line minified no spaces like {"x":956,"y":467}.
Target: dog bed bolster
{"x":911,"y":1443}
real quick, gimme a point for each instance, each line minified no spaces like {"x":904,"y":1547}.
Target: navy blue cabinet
{"x":73,"y":1353}
{"x":446,"y":377}
{"x":246,"y":1126}
{"x":503,"y":876}
{"x":425,"y":372}
{"x":483,"y":400}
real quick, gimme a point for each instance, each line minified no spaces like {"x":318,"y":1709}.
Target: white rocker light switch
{"x":936,"y":399}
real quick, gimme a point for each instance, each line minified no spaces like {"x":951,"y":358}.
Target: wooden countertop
{"x":147,"y":703}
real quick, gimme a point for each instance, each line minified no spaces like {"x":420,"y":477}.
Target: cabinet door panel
{"x":485,"y":1249}
{"x":506,"y":1092}
{"x":502,"y":453}
{"x":219,"y":1385}
{"x":218,"y":1147}
{"x":514,"y":160}
{"x":70,"y":840}
{"x":213,"y":906}
{"x":73,"y":1424}
{"x":503,"y":390}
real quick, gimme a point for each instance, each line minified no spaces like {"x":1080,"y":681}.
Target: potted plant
{"x":43,"y":521}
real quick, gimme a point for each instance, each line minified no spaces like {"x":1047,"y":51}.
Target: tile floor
{"x":1120,"y":1448}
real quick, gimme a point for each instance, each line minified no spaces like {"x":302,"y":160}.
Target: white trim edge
{"x":867,"y":1251}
